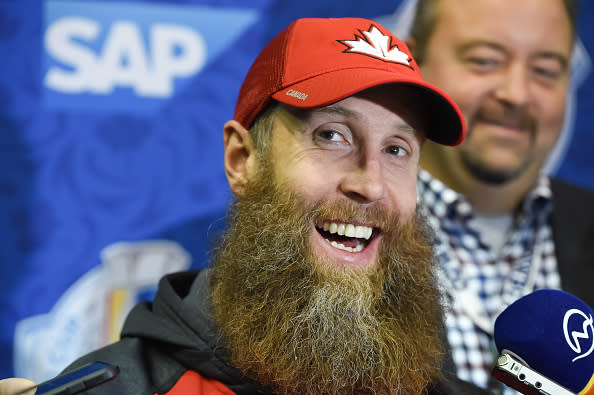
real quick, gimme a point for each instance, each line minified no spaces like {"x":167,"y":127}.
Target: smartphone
{"x":85,"y":377}
{"x":515,"y":373}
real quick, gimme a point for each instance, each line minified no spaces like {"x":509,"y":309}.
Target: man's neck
{"x":487,"y":199}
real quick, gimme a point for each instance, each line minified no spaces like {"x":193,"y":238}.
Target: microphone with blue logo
{"x":546,"y":344}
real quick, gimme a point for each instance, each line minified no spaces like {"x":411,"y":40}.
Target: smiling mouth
{"x":513,"y":126}
{"x":347,"y":237}
{"x":518,"y":123}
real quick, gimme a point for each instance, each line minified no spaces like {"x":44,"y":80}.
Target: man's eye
{"x":547,"y":75}
{"x":396,"y":150}
{"x":482,"y":63}
{"x":331,"y":135}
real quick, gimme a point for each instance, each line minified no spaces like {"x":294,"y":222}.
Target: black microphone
{"x":546,"y":344}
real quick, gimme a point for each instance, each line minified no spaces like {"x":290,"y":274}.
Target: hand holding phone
{"x":85,"y":377}
{"x":12,"y":385}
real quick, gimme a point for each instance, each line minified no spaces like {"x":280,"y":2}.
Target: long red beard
{"x":299,"y":325}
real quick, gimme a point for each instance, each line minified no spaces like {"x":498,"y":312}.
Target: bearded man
{"x":323,"y":282}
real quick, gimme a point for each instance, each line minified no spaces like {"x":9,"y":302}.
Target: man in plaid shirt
{"x":503,"y":228}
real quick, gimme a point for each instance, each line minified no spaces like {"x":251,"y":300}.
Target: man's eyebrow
{"x":334,"y":109}
{"x":406,"y":128}
{"x":305,"y":114}
{"x":479,"y":43}
{"x":337,"y":109}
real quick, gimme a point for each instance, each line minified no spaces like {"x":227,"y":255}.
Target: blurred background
{"x":111,"y":173}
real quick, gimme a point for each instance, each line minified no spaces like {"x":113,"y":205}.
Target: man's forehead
{"x":505,"y":21}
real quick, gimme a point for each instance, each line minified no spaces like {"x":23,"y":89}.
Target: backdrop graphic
{"x":111,"y":174}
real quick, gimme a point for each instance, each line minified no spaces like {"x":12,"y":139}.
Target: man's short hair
{"x":426,"y":19}
{"x":261,"y":130}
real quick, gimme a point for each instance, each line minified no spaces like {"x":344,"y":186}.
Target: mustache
{"x":348,"y":211}
{"x":508,"y":116}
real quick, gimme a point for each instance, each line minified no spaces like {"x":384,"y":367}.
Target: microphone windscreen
{"x":552,"y":331}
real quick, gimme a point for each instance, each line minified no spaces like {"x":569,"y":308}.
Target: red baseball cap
{"x":315,"y":62}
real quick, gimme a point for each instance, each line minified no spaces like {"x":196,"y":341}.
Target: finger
{"x":13,"y":385}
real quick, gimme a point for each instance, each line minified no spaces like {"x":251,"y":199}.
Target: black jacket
{"x":572,"y":221}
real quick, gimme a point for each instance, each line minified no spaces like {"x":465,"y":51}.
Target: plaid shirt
{"x":479,"y":282}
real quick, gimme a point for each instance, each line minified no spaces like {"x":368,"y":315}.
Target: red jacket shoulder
{"x":192,"y":383}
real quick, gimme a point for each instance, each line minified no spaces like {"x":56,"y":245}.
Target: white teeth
{"x":360,"y":233}
{"x":349,"y":230}
{"x":358,"y":248}
{"x":365,"y":232}
{"x":332,"y":228}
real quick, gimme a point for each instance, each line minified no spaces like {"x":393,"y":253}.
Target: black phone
{"x":81,"y":379}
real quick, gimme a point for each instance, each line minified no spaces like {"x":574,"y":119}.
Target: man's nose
{"x":364,"y":183}
{"x":514,"y":85}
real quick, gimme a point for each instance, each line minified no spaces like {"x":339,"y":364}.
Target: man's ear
{"x":239,"y":155}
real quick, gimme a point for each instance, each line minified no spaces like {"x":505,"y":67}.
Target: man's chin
{"x":493,"y":174}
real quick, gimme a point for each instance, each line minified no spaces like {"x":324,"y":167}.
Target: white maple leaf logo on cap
{"x":378,"y":45}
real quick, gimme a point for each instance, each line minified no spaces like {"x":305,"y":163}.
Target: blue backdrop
{"x":111,"y":173}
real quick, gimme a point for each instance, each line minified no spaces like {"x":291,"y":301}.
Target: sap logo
{"x":173,"y":51}
{"x":131,"y":57}
{"x":586,"y":332}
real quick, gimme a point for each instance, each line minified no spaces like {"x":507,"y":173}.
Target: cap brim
{"x":442,"y":117}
